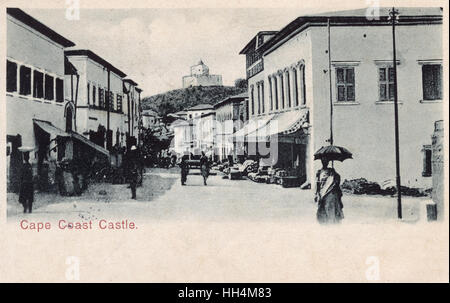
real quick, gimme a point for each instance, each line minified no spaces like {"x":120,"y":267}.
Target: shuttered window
{"x":432,"y":81}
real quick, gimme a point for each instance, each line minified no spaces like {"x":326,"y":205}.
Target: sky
{"x":156,"y":47}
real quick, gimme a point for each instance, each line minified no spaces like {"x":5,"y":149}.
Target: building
{"x":200,"y":77}
{"x":37,"y":109}
{"x":204,"y":134}
{"x":230,"y":117}
{"x":134,"y":112}
{"x":182,"y":136}
{"x":150,"y":119}
{"x":289,"y":92}
{"x":198,"y":110}
{"x":97,"y":80}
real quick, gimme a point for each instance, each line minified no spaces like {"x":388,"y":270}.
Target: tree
{"x":240,"y":83}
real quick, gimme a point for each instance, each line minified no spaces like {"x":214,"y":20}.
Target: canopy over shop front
{"x":250,"y":127}
{"x":90,"y":144}
{"x":279,"y":124}
{"x":50,"y":129}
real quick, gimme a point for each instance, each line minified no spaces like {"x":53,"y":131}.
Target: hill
{"x":180,"y":99}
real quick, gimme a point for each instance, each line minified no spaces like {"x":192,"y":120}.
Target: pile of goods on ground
{"x":362,"y":186}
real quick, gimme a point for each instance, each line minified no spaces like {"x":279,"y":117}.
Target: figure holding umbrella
{"x":328,"y":190}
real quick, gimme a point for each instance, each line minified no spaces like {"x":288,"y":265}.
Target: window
{"x":112,"y":103}
{"x":25,"y":80}
{"x":303,"y":85}
{"x":101,"y":98}
{"x":345,"y":81}
{"x":59,"y":90}
{"x":38,"y":84}
{"x":252,"y":100}
{"x":288,"y":89}
{"x":11,"y":76}
{"x":109,"y":97}
{"x":275,"y":81}
{"x":94,"y":92}
{"x":386,"y":83}
{"x":262,"y":97}
{"x":49,"y":88}
{"x":432,"y":81}
{"x":270,"y":93}
{"x":427,"y":157}
{"x":88,"y":93}
{"x":282,"y":90}
{"x":258,"y":88}
{"x":295,"y":75}
{"x":119,"y":103}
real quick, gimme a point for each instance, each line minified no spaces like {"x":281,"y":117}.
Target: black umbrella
{"x":332,"y":153}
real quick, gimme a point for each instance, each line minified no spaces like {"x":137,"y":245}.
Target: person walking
{"x":184,"y":168}
{"x":328,"y":194}
{"x":133,"y":171}
{"x":204,"y":167}
{"x":26,"y":194}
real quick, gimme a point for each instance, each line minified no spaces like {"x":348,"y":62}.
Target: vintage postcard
{"x":212,"y":141}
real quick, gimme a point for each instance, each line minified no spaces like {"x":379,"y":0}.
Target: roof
{"x":207,"y":114}
{"x":201,"y":107}
{"x":253,"y":40}
{"x":149,"y":112}
{"x":91,"y":55}
{"x":69,"y":68}
{"x":38,"y":26}
{"x":407,"y":16}
{"x":180,"y":122}
{"x":239,"y":97}
{"x":130,"y":81}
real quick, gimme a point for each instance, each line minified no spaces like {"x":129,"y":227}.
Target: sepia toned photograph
{"x":121,"y":120}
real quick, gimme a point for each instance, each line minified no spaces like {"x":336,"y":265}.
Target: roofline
{"x":90,"y":54}
{"x":302,"y":23}
{"x":228,"y":99}
{"x":244,"y":50}
{"x":194,"y":109}
{"x":23,"y":17}
{"x":131,"y":82}
{"x":207,"y":114}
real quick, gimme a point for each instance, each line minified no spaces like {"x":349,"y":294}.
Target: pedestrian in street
{"x":133,"y":172}
{"x":26,"y":194}
{"x":328,"y":194}
{"x":184,"y":168}
{"x":204,"y":167}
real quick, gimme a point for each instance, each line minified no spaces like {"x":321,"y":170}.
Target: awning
{"x":281,"y":124}
{"x":50,"y":128}
{"x":251,"y":126}
{"x":90,"y":143}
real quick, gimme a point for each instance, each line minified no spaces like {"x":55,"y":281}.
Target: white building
{"x":200,"y":77}
{"x":36,"y":108}
{"x":182,"y":139}
{"x":97,"y":78}
{"x":289,"y":86}
{"x":150,"y":119}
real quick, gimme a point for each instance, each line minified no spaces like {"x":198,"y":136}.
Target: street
{"x":163,"y":198}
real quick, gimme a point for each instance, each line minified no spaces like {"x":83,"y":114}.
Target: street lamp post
{"x":393,"y":16}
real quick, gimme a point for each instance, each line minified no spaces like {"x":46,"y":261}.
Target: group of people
{"x":204,"y":167}
{"x":328,"y":193}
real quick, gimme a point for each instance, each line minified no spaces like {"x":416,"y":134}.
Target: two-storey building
{"x":289,"y":95}
{"x":36,"y":109}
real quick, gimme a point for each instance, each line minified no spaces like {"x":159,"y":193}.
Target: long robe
{"x":204,"y":167}
{"x":26,"y":194}
{"x":329,"y":195}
